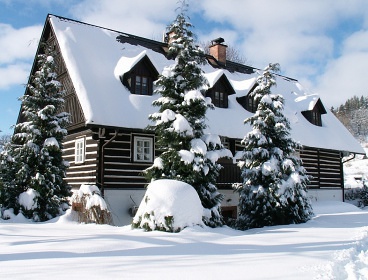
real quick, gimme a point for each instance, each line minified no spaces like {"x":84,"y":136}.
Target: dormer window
{"x":314,"y":116}
{"x":139,"y":80}
{"x":143,"y":85}
{"x":220,"y":91}
{"x":248,"y":102}
{"x":220,"y":99}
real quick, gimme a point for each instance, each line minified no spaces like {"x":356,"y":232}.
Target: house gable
{"x":71,"y":102}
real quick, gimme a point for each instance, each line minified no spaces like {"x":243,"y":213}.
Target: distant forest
{"x":354,"y":116}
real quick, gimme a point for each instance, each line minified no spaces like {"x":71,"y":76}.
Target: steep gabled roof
{"x":92,"y":54}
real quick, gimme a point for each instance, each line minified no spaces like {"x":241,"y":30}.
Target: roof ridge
{"x":109,"y":29}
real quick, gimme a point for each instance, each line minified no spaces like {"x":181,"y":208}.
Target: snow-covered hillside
{"x":356,"y":170}
{"x":333,"y":245}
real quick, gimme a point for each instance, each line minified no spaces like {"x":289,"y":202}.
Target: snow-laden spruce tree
{"x":274,"y":184}
{"x":32,"y":162}
{"x":187,"y":154}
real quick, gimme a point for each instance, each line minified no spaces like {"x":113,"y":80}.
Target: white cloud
{"x":18,"y":44}
{"x":346,"y":75}
{"x":14,"y":74}
{"x":138,"y":17}
{"x":18,"y":48}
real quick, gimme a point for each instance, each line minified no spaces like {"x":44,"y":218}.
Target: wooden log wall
{"x":120,"y":170}
{"x":325,"y":167}
{"x":71,"y":105}
{"x":322,"y":164}
{"x":86,"y":172}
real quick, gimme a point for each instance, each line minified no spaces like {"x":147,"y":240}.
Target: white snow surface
{"x":173,"y":198}
{"x":333,"y":245}
{"x":95,"y":60}
{"x":51,"y":142}
{"x":27,"y":199}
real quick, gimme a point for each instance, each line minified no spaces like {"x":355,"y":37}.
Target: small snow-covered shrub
{"x":169,"y":205}
{"x":90,"y":206}
{"x":363,"y":195}
{"x":358,"y":195}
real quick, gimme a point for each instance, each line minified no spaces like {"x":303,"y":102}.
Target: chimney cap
{"x":218,"y":40}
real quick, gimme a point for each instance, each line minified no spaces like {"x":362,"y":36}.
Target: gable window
{"x":143,"y":149}
{"x":80,"y":151}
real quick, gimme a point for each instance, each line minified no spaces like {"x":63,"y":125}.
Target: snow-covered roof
{"x":95,"y":60}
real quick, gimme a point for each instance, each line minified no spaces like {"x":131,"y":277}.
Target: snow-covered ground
{"x":333,"y":245}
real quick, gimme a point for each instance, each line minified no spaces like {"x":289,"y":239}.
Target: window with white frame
{"x":143,"y":149}
{"x":80,"y":150}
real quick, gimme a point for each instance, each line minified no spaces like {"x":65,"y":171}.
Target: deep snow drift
{"x":333,"y":245}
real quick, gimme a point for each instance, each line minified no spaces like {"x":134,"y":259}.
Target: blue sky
{"x":323,"y":44}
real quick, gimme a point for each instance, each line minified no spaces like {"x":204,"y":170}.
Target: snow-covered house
{"x":108,"y":76}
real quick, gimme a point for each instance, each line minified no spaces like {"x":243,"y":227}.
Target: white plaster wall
{"x":231,"y":198}
{"x":325,"y":194}
{"x":119,"y":202}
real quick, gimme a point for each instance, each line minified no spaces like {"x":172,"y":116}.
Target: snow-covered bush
{"x":169,"y":205}
{"x":90,"y":206}
{"x":358,"y":195}
{"x":363,"y":195}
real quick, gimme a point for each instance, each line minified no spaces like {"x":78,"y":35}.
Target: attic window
{"x":251,"y":103}
{"x":314,"y":116}
{"x":139,"y":80}
{"x":248,"y":102}
{"x":220,"y":91}
{"x":220,"y":99}
{"x":142,"y":85}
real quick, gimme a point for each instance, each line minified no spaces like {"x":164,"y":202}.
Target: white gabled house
{"x":108,"y":76}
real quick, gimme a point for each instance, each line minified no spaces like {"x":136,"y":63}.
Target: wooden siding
{"x":120,"y":170}
{"x":325,"y":167}
{"x":71,"y":105}
{"x":86,"y":172}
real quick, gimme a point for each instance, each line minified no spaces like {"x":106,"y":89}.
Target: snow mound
{"x":169,"y":205}
{"x":333,"y":207}
{"x":27,"y":199}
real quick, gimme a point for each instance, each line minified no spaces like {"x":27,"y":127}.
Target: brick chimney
{"x":218,"y":50}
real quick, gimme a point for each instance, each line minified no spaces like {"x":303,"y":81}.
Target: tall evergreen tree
{"x":33,"y":159}
{"x":180,"y":122}
{"x":274,"y":181}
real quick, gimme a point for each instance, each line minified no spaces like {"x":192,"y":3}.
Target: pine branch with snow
{"x":274,"y":181}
